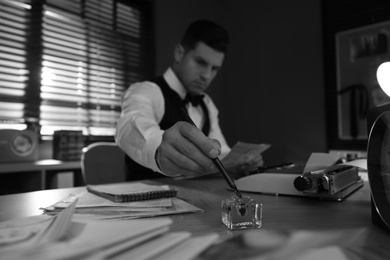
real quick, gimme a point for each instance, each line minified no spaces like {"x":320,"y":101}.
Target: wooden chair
{"x":103,"y":162}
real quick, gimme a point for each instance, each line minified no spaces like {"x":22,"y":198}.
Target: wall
{"x":271,"y":89}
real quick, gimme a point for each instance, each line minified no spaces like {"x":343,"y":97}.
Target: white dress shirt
{"x":143,"y":106}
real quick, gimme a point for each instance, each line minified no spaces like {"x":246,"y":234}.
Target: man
{"x":152,"y":128}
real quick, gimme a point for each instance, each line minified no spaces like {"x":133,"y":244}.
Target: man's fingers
{"x":210,"y":147}
{"x":181,"y":165}
{"x":186,"y":150}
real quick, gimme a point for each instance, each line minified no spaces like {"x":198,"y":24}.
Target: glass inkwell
{"x":241,"y":213}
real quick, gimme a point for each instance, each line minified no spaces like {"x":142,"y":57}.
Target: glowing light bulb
{"x":383,"y":77}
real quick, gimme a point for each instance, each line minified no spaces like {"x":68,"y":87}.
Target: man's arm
{"x":138,"y":132}
{"x":180,"y":150}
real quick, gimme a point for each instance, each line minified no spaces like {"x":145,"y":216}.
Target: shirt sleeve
{"x":138,"y":132}
{"x":215,"y":129}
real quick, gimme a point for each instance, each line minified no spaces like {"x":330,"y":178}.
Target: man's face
{"x":197,"y":68}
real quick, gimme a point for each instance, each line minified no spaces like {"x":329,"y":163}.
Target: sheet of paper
{"x":249,"y":148}
{"x":319,"y":161}
{"x":91,"y":206}
{"x":361,"y":163}
{"x":35,"y":230}
{"x":23,"y":230}
{"x":88,"y":237}
{"x":60,"y":225}
{"x":189,"y":249}
{"x":265,"y":244}
{"x":154,"y":247}
{"x":87,"y":200}
{"x":241,"y":152}
{"x":118,"y":249}
{"x":325,"y":253}
{"x":179,"y":207}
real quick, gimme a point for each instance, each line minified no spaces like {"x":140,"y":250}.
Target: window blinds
{"x":91,"y":51}
{"x":14,"y":26}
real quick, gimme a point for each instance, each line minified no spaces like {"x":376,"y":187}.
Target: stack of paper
{"x":91,"y":206}
{"x":279,"y":244}
{"x":60,"y":237}
{"x":71,"y":229}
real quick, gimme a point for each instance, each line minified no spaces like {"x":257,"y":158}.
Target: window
{"x":65,"y":64}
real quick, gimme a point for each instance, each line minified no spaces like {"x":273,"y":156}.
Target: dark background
{"x":271,"y":88}
{"x":278,"y":82}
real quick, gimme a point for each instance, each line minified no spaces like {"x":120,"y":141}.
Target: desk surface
{"x":279,"y":212}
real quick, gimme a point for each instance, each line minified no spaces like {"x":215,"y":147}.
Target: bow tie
{"x":195,"y":100}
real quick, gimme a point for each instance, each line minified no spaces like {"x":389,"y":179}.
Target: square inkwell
{"x":241,"y":213}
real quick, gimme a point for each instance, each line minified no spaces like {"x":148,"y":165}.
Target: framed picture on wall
{"x":359,"y":52}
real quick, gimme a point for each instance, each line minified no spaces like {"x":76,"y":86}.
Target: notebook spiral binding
{"x":148,"y":195}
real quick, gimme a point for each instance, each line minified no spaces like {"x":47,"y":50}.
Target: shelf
{"x":18,"y":177}
{"x":48,"y":164}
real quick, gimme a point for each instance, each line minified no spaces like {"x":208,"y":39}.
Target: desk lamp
{"x":378,"y":153}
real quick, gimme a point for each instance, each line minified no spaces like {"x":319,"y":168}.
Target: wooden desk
{"x":279,"y":212}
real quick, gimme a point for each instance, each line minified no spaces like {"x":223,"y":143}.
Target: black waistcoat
{"x":172,"y":115}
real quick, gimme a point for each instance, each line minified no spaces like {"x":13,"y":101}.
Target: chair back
{"x":103,"y":162}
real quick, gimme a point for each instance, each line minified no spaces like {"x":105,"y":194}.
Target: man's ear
{"x":179,"y":53}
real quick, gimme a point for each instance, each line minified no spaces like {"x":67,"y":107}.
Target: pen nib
{"x":238,"y":193}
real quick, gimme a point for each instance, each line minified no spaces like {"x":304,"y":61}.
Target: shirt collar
{"x":174,"y":83}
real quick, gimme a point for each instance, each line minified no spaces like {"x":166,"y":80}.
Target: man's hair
{"x":208,"y":32}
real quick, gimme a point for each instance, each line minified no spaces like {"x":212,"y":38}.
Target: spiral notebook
{"x":132,"y":192}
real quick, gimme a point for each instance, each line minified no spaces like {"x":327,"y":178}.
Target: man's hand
{"x":185,"y":150}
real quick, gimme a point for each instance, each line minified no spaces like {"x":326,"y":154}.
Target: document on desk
{"x":319,"y":161}
{"x":246,"y":149}
{"x":91,"y":206}
{"x":36,"y":230}
{"x":167,"y":246}
{"x":62,"y":237}
{"x":265,"y":244}
{"x":81,"y":239}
